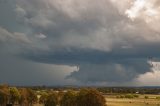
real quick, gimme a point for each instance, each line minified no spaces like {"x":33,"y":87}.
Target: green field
{"x":140,"y":101}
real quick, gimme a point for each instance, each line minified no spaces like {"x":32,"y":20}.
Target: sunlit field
{"x":112,"y":100}
{"x":140,"y":101}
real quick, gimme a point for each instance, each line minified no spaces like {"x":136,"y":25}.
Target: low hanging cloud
{"x":109,"y":72}
{"x":17,"y":71}
{"x":110,"y":41}
{"x":6,"y":36}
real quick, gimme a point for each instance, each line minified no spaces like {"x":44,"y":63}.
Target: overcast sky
{"x":79,"y":42}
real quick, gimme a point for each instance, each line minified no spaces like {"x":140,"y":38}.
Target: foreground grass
{"x":152,"y":101}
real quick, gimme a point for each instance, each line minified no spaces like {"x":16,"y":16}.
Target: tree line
{"x":126,"y":90}
{"x":21,"y":96}
{"x":28,"y":97}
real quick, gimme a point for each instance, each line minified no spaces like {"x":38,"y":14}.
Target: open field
{"x":140,"y":101}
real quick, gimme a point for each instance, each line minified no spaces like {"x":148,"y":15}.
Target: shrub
{"x":158,"y":98}
{"x":90,"y":97}
{"x":129,"y":96}
{"x":146,"y":97}
{"x":117,"y":96}
{"x":122,"y":96}
{"x":136,"y":96}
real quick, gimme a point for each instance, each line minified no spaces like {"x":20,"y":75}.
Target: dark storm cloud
{"x":110,"y":72}
{"x":99,"y":37}
{"x":98,"y":66}
{"x":17,"y":71}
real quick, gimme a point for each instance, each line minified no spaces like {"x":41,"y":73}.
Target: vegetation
{"x":43,"y":98}
{"x":4,"y":94}
{"x":158,"y":97}
{"x":136,"y":96}
{"x":90,"y":97}
{"x":3,"y":98}
{"x":140,"y":101}
{"x":130,"y":90}
{"x":69,"y":99}
{"x":146,"y":97}
{"x":129,"y":96}
{"x":23,"y":101}
{"x":28,"y":96}
{"x":51,"y":100}
{"x":31,"y":97}
{"x":85,"y":97}
{"x":14,"y":95}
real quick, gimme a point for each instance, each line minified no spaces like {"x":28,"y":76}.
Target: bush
{"x":90,"y":97}
{"x":146,"y":97}
{"x":117,"y":96}
{"x":158,"y":98}
{"x":122,"y":96}
{"x":136,"y":96}
{"x":129,"y":96}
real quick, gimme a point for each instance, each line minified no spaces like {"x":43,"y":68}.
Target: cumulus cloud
{"x":146,"y":10}
{"x":108,"y":40}
{"x":87,"y":24}
{"x":109,"y":72}
{"x":40,"y":36}
{"x":15,"y":37}
{"x":72,"y":25}
{"x":150,"y":78}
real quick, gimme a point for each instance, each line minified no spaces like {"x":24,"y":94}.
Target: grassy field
{"x":140,"y":101}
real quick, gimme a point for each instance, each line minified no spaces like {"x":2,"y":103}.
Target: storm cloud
{"x":109,"y":41}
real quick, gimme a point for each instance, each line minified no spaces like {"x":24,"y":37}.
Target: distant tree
{"x":90,"y":97}
{"x":14,"y":95}
{"x":69,"y":99}
{"x":52,"y":100}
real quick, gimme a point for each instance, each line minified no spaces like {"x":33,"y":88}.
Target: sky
{"x":80,"y":42}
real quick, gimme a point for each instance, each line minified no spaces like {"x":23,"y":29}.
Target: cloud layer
{"x":110,"y":41}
